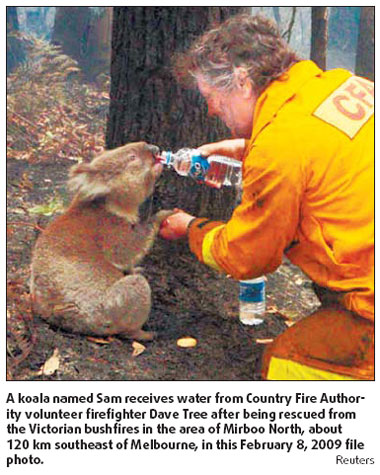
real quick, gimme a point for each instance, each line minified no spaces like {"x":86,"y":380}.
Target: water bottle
{"x":215,"y":171}
{"x":252,"y":301}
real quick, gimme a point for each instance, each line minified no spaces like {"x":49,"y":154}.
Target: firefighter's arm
{"x":178,"y":224}
{"x":252,"y":242}
{"x":234,"y":148}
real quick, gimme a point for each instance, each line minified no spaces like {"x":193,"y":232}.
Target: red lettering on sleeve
{"x":354,"y":115}
{"x":358,"y":93}
{"x":368,"y":86}
{"x":348,"y":107}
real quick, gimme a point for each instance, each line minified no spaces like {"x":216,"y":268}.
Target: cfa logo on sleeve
{"x":349,"y":107}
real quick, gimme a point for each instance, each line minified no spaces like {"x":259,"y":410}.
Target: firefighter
{"x":306,"y":141}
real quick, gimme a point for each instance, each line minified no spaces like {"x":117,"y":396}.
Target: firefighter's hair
{"x":250,"y":42}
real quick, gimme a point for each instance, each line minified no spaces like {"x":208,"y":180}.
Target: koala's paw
{"x":162,"y":215}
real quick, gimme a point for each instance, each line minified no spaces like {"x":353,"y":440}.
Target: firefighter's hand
{"x":175,"y":226}
{"x":234,"y":148}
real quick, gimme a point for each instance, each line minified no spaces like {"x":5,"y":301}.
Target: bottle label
{"x":199,"y":167}
{"x":252,"y":292}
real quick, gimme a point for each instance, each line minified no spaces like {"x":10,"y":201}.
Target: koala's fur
{"x":79,"y":263}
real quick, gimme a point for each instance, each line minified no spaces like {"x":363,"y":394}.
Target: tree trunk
{"x":365,"y":54}
{"x":147,"y":104}
{"x":35,"y":21}
{"x":15,"y":49}
{"x":319,"y":17}
{"x":100,"y":42}
{"x":71,"y":32}
{"x":85,"y":35}
{"x":287,"y":34}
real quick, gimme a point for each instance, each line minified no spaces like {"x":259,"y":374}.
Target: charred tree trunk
{"x":365,"y":54}
{"x":147,"y":104}
{"x":318,"y":53}
{"x":15,"y":49}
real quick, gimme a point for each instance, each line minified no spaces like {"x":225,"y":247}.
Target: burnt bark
{"x":147,"y":103}
{"x":365,"y":54}
{"x":319,"y":35}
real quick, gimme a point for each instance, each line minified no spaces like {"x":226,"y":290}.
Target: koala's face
{"x":126,"y":174}
{"x":143,"y":161}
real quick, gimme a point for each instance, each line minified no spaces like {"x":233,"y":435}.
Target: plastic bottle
{"x":215,"y":171}
{"x":252,"y":301}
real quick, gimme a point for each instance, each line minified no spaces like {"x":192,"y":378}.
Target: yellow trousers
{"x":330,"y":344}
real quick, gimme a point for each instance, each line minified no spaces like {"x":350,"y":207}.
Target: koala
{"x":83,"y":274}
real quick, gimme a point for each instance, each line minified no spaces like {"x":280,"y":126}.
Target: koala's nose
{"x":153,"y":149}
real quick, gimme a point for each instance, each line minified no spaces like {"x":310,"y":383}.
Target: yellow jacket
{"x":308,"y":187}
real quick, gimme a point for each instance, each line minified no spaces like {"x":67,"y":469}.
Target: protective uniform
{"x":308,"y":192}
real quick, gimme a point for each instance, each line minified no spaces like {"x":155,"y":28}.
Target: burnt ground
{"x":189,"y":299}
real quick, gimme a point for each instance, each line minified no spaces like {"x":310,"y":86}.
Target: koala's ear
{"x":87,"y":182}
